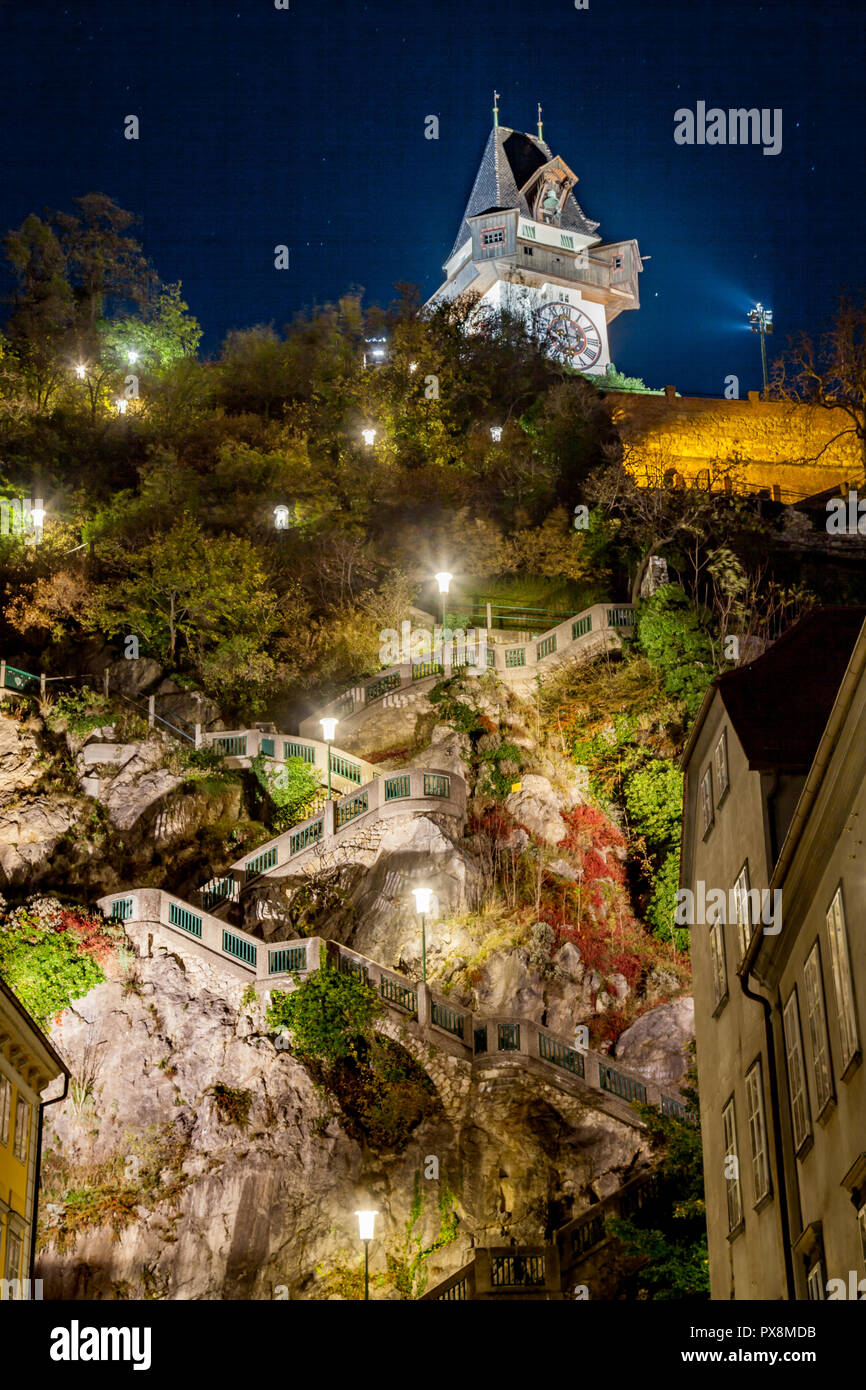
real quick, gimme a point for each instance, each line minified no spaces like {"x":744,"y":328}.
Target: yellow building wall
{"x":777,"y":442}
{"x":15,"y":1181}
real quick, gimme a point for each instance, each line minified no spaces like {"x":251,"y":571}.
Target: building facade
{"x":28,"y":1065}
{"x":525,"y":247}
{"x":773,"y":880}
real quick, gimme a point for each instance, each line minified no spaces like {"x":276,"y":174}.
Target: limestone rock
{"x":19,"y":758}
{"x":655,"y":1045}
{"x":30,"y":831}
{"x":538,"y":806}
{"x":134,"y":677}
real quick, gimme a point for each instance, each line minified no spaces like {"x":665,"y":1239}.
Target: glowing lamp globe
{"x":443,"y":579}
{"x":423,"y":898}
{"x":366,"y":1222}
{"x":369,"y":437}
{"x":328,"y":727}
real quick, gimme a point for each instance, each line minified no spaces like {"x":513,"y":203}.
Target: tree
{"x":43,"y":307}
{"x":673,"y":636}
{"x":330,"y":1015}
{"x":657,"y":508}
{"x":830,"y":373}
{"x":670,"y":1233}
{"x":208,"y":592}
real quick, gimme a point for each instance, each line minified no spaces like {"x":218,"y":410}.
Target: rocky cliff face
{"x":229,"y":1174}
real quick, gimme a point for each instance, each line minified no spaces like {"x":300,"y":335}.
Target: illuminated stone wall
{"x":778,"y":443}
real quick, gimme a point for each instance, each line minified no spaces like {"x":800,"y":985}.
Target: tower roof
{"x":510,"y":159}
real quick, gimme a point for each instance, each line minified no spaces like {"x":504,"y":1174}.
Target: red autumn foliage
{"x":94,"y":935}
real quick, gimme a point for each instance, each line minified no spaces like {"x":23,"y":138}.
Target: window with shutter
{"x":817,"y":1018}
{"x":842,"y":981}
{"x":796,"y":1079}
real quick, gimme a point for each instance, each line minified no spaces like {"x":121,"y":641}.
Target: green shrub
{"x":329,"y":1015}
{"x":672,"y":634}
{"x":660,"y":909}
{"x":654,"y":801}
{"x":51,"y":955}
{"x":290,"y":791}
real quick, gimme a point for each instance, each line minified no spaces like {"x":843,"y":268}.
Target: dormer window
{"x":493,"y":236}
{"x":616,"y":263}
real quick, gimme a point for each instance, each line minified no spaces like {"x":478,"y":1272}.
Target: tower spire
{"x":540,"y":127}
{"x":496,"y":108}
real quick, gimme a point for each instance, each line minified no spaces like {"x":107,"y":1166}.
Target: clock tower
{"x":526,"y":247}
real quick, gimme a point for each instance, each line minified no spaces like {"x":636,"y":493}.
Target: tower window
{"x":493,"y":236}
{"x":616,"y":263}
{"x":527,"y":250}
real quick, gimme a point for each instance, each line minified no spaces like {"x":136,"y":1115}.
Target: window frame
{"x":733,"y":1186}
{"x":490,"y":232}
{"x":744,"y":937}
{"x":705,"y":798}
{"x":5,"y":1107}
{"x":756,"y":1117}
{"x":843,"y":984}
{"x":719,"y":965}
{"x":819,"y":1030}
{"x":722,"y":745}
{"x":22,"y":1128}
{"x":794,"y":1035}
{"x":16,"y":1237}
{"x":819,"y":1283}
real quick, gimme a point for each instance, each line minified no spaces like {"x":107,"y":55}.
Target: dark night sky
{"x":306,"y":127}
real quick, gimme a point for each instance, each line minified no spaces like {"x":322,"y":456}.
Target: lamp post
{"x":422,"y":907}
{"x":443,"y":579}
{"x":496,"y":433}
{"x":761,"y":321}
{"x":121,"y":404}
{"x":81,"y":371}
{"x":366,"y":1222}
{"x":328,"y":727}
{"x":369,"y":437}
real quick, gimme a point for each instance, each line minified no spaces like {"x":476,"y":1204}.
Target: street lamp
{"x":328,"y":727}
{"x":423,"y":898}
{"x":761,"y":321}
{"x":496,"y":433}
{"x":281,"y":517}
{"x":81,"y":371}
{"x":443,"y":579}
{"x":132,"y":356}
{"x":369,"y":437}
{"x":413,"y":366}
{"x":121,"y":404}
{"x":366,"y":1221}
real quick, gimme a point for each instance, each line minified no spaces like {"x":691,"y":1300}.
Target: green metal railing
{"x":349,"y":810}
{"x":508,"y":1037}
{"x":348,"y":966}
{"x":620,"y":617}
{"x":491,"y":656}
{"x":455,"y":1293}
{"x":515,"y":656}
{"x":187,"y":921}
{"x":308,"y":836}
{"x":434,"y":785}
{"x":517,"y":1271}
{"x":613,"y":1081}
{"x":121,"y":911}
{"x":233,"y":747}
{"x":449,"y":1019}
{"x":589,"y":1233}
{"x":344,"y":768}
{"x":397,"y":993}
{"x":239,"y":947}
{"x":581,"y":627}
{"x":267,"y":747}
{"x":217,"y":892}
{"x":266,"y":860}
{"x":299,"y":750}
{"x":639,"y":1196}
{"x":286,"y":959}
{"x":396,"y":788}
{"x":420,"y":669}
{"x":560,"y":1055}
{"x":382,"y":686}
{"x":545,"y":647}
{"x":679,"y":1111}
{"x":20,"y":680}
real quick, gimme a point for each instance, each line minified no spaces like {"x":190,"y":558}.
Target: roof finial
{"x":540,"y":127}
{"x":496,"y":108}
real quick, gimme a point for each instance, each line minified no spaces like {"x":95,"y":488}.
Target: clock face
{"x":568,"y":333}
